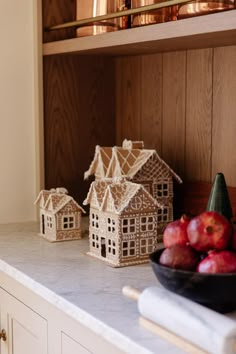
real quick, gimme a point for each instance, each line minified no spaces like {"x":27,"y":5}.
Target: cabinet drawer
{"x":69,"y":345}
{"x":26,"y":330}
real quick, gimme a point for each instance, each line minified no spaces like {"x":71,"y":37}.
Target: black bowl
{"x":215,"y":291}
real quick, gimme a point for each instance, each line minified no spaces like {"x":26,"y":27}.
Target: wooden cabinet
{"x":34,"y":325}
{"x":172,"y":85}
{"x":26,"y":331}
{"x":69,"y":345}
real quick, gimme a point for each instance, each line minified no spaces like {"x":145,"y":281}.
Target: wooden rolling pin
{"x":190,"y":326}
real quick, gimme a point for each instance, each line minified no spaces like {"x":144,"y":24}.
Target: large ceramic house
{"x":60,"y":215}
{"x":123,"y":227}
{"x":139,"y":165}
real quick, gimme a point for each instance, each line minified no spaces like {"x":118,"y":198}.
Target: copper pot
{"x":196,"y":8}
{"x":92,"y":8}
{"x":151,"y":17}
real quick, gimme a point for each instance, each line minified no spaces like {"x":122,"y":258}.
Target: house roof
{"x":110,"y":162}
{"x":119,"y":194}
{"x":55,"y":199}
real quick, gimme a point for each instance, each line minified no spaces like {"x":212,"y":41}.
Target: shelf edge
{"x":208,"y":30}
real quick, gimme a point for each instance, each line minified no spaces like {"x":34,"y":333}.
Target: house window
{"x":128,"y":226}
{"x":146,"y":245}
{"x":111,"y":247}
{"x":160,"y":190}
{"x":162,"y":215}
{"x":128,"y":248}
{"x":136,"y":203}
{"x":147,"y":223}
{"x":95,"y":241}
{"x":111,"y":225}
{"x":49,"y":222}
{"x":95,"y":220}
{"x":68,"y":222}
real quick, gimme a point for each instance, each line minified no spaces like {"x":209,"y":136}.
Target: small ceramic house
{"x":139,"y":165}
{"x":123,"y":225}
{"x":60,"y":215}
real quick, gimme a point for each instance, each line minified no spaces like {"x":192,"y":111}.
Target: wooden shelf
{"x":212,"y":30}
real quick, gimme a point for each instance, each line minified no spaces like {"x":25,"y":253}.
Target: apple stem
{"x":209,"y":229}
{"x":184,"y":218}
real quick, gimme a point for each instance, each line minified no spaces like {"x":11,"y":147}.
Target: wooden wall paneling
{"x":59,"y":121}
{"x":195,"y":196}
{"x":151,"y":102}
{"x":224,"y":114}
{"x":174,"y":95}
{"x":96,"y":97}
{"x":128,"y":98}
{"x":78,"y":115}
{"x":55,"y":13}
{"x":198,"y":115}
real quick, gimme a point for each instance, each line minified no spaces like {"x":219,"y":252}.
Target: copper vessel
{"x":197,"y":8}
{"x":91,"y":8}
{"x":151,"y":17}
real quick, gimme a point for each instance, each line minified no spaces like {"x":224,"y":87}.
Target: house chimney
{"x":129,"y":144}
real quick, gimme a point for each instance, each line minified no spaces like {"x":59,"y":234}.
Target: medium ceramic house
{"x":139,"y":165}
{"x":123,"y":224}
{"x":60,"y":215}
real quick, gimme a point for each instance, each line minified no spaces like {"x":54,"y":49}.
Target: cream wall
{"x":20,"y":99}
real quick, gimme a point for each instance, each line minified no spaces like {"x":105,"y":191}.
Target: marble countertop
{"x":83,"y":287}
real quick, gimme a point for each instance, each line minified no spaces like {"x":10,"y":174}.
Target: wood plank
{"x":57,"y":12}
{"x":198,"y":115}
{"x":78,"y":116}
{"x":174,"y":94}
{"x":128,"y":98}
{"x":192,"y":198}
{"x":151,"y":102}
{"x":224,"y":108}
{"x":200,"y":32}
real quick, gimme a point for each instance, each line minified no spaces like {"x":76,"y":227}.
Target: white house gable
{"x":140,"y":202}
{"x":109,"y":202}
{"x":49,"y":205}
{"x":147,"y":202}
{"x":70,"y":207}
{"x":42,"y":202}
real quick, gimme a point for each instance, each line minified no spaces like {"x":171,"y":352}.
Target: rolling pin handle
{"x":131,"y":293}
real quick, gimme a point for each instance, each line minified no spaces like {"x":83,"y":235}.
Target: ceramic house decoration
{"x":123,"y":225}
{"x":60,"y":215}
{"x":139,"y":165}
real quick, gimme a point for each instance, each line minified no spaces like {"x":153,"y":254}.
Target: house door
{"x":103,"y":247}
{"x":43,"y":225}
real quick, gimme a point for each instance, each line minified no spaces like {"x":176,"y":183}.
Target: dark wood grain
{"x":198,"y":150}
{"x":151,"y":102}
{"x":128,"y":99}
{"x":77,"y":116}
{"x":56,"y":12}
{"x":174,"y":102}
{"x":224,"y":113}
{"x":192,"y":198}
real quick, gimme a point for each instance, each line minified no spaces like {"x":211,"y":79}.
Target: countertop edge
{"x":111,"y":335}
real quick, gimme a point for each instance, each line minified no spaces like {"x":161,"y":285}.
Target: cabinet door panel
{"x":26,"y":330}
{"x":69,"y":345}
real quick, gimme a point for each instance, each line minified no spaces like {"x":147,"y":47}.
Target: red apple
{"x":233,"y":243}
{"x":179,"y":257}
{"x":208,"y":231}
{"x":218,"y":262}
{"x":175,"y":232}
